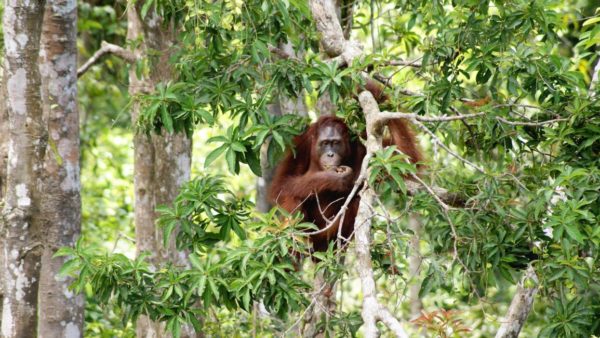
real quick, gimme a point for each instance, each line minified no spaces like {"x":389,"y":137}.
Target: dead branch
{"x":107,"y":48}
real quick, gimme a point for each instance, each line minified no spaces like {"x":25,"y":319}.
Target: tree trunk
{"x":27,"y":143}
{"x":61,"y":311}
{"x":3,"y":164}
{"x":3,"y":144}
{"x":161,"y":162}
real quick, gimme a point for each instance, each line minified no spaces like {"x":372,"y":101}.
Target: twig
{"x":445,"y":147}
{"x":107,"y":48}
{"x":415,"y":117}
{"x":119,"y":236}
{"x":526,"y":123}
{"x":414,"y":63}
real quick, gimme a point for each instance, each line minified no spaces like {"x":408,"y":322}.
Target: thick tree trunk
{"x":27,"y":143}
{"x":3,"y":164}
{"x":161,"y":162}
{"x":3,"y":144}
{"x":61,"y":311}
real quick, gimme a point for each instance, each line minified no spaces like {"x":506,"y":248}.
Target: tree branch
{"x":107,"y":48}
{"x":404,"y":63}
{"x":372,"y":310}
{"x":520,"y":306}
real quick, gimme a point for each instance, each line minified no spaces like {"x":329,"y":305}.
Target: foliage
{"x":531,"y":183}
{"x":387,"y":169}
{"x":235,"y":274}
{"x":442,"y":324}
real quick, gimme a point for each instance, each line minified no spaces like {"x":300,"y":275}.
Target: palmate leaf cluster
{"x":534,"y":197}
{"x":255,"y":265}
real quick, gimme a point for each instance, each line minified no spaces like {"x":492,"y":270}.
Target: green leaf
{"x":253,"y":162}
{"x":573,"y":232}
{"x":279,"y":140}
{"x":231,"y":160}
{"x":64,"y":251}
{"x":69,"y":267}
{"x":236,"y":146}
{"x":195,"y":323}
{"x":210,"y":158}
{"x":146,"y":7}
{"x":591,"y":21}
{"x":166,"y":119}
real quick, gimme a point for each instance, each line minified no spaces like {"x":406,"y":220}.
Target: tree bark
{"x":161,"y":162}
{"x":414,"y":266}
{"x":520,"y":306}
{"x":26,"y":147}
{"x":3,"y":143}
{"x":372,"y":310}
{"x":3,"y":164}
{"x":61,"y":311}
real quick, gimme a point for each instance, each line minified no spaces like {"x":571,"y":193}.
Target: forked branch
{"x":107,"y":48}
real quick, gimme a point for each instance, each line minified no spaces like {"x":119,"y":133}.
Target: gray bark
{"x":414,"y":266}
{"x":372,"y":310}
{"x":60,"y":310}
{"x":161,"y":162}
{"x":3,"y":164}
{"x":520,"y":306}
{"x":3,"y":141}
{"x":26,"y":147}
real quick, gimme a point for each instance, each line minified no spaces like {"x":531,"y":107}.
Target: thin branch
{"x":421,"y":118}
{"x":527,"y":123}
{"x":434,"y":195}
{"x":412,"y":116}
{"x":414,"y":63}
{"x":107,"y":48}
{"x":446,"y":148}
{"x":445,"y":209}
